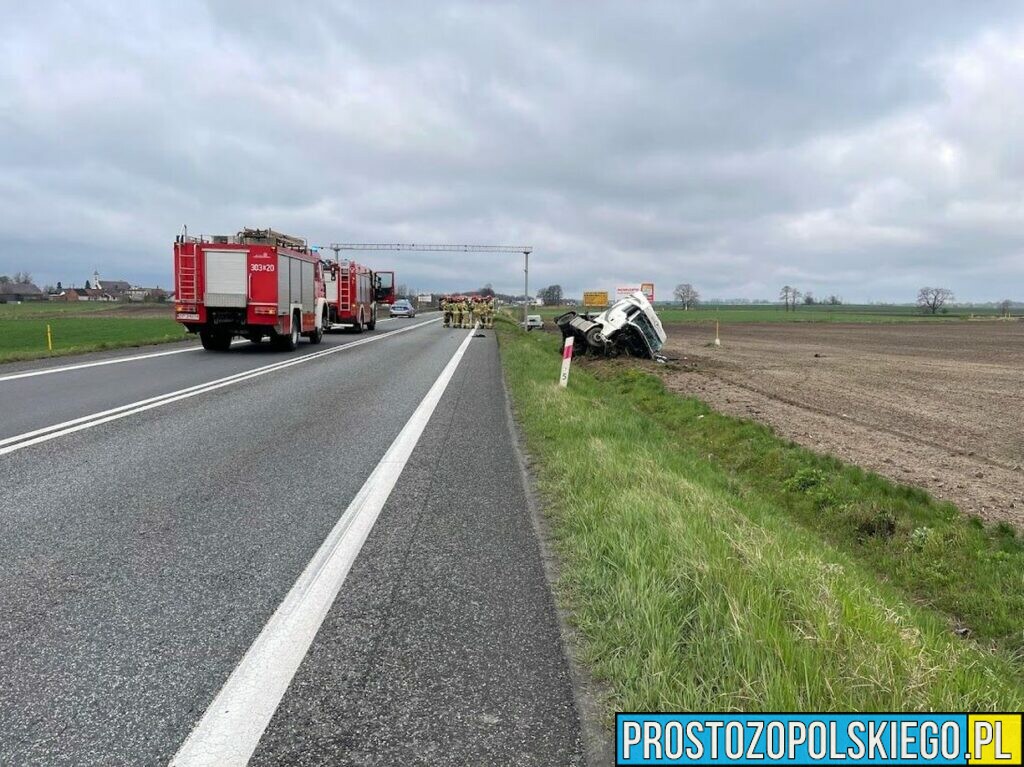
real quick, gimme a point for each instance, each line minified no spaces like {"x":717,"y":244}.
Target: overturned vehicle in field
{"x":630,"y":326}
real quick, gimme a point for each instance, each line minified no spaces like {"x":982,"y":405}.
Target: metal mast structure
{"x":337,"y":247}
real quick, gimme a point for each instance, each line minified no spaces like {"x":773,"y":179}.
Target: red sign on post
{"x":647,"y":288}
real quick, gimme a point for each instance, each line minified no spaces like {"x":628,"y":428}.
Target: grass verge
{"x":25,"y":338}
{"x":709,"y":565}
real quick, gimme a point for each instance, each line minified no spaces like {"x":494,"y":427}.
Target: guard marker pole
{"x":49,"y":339}
{"x":563,"y":380}
{"x":718,"y":341}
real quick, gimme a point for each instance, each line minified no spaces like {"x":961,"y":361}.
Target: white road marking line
{"x":118,"y":360}
{"x":231,"y":728}
{"x":19,"y":441}
{"x":99,"y":363}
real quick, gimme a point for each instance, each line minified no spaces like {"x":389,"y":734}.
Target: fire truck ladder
{"x":526,"y":250}
{"x":345,"y":288}
{"x":187,"y":275}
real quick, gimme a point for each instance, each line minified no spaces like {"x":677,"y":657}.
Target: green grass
{"x":708,"y":565}
{"x":874,"y":314}
{"x":76,"y":308}
{"x":24,"y":337}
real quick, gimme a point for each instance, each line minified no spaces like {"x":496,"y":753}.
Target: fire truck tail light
{"x":271,"y":310}
{"x":185,"y":308}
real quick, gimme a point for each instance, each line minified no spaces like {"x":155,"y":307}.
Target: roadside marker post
{"x":718,"y":341}
{"x":49,"y":338}
{"x":563,"y":380}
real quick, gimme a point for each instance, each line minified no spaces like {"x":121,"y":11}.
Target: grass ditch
{"x":710,"y":565}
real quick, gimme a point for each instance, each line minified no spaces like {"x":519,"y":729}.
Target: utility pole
{"x":526,"y":286}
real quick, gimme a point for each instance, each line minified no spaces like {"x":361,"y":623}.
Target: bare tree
{"x":23,"y":277}
{"x":809,"y":299}
{"x":687,"y":295}
{"x":930,"y":300}
{"x":789,"y":297}
{"x":833,"y":300}
{"x":1005,"y":306}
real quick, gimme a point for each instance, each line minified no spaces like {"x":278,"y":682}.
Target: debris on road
{"x":630,"y":326}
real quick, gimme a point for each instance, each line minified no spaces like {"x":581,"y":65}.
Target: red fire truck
{"x":256,"y":284}
{"x":353,"y":292}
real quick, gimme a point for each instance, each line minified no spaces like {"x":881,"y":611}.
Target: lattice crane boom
{"x":526,"y":250}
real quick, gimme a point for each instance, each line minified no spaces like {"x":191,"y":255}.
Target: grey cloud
{"x":858,"y":148}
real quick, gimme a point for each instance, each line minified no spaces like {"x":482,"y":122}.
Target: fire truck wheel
{"x":288,"y":342}
{"x":215,"y":342}
{"x":317,"y":335}
{"x":360,"y":326}
{"x":372,"y":324}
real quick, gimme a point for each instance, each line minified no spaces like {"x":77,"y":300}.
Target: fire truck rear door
{"x":226,"y":278}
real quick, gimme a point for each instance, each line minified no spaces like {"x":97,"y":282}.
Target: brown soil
{"x":938,"y":406}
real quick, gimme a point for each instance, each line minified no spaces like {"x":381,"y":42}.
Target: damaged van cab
{"x":629,"y":326}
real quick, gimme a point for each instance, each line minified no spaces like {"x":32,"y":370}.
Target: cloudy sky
{"x":858,"y":148}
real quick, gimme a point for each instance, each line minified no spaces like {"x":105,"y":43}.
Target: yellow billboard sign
{"x":595,"y":298}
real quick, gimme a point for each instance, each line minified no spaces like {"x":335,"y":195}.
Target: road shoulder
{"x":590,"y":693}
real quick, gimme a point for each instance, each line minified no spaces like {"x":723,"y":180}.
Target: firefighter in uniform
{"x":457,"y":308}
{"x":446,"y":311}
{"x":489,"y":312}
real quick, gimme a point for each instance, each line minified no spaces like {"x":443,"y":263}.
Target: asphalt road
{"x":143,"y":556}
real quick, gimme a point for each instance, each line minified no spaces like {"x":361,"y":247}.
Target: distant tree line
{"x":17,"y":278}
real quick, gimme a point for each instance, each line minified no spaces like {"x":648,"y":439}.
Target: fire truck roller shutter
{"x":295,"y":269}
{"x":308,"y":286}
{"x":226,"y":278}
{"x":368,"y":287}
{"x":283,"y":283}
